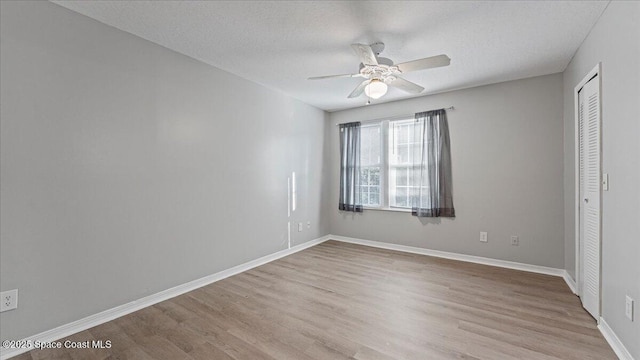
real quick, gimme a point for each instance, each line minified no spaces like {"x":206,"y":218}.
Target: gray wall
{"x":613,"y":42}
{"x":127,"y":168}
{"x":507,"y":157}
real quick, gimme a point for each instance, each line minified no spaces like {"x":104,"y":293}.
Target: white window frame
{"x":385,"y":166}
{"x":382,"y":192}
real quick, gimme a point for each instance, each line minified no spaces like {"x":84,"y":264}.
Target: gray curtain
{"x":350,"y":167}
{"x":432,"y":191}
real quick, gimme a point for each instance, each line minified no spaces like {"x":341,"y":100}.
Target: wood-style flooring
{"x":345,"y":301}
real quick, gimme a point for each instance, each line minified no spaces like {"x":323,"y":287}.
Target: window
{"x":387,"y":152}
{"x":404,"y":165}
{"x":404,"y":147}
{"x":370,"y":165}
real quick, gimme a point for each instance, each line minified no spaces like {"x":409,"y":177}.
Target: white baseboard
{"x":118,"y":311}
{"x":613,"y":340}
{"x":454,"y":256}
{"x":570,"y":283}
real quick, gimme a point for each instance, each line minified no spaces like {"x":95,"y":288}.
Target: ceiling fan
{"x":379,"y":72}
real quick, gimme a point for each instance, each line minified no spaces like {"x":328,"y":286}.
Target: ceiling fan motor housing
{"x":385,"y":70}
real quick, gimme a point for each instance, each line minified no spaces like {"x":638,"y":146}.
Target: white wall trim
{"x":613,"y":340}
{"x":454,"y":256}
{"x":118,"y":311}
{"x":572,"y":284}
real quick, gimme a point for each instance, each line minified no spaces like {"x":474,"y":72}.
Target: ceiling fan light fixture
{"x":375,"y":89}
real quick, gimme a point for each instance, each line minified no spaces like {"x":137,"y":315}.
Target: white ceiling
{"x":281,"y":43}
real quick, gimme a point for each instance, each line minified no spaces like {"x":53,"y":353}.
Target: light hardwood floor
{"x":344,"y":301}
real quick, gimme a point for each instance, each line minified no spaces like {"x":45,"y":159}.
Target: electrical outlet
{"x":484,"y":237}
{"x":299,"y":227}
{"x":628,"y":308}
{"x":515,"y":241}
{"x":308,"y":224}
{"x":9,"y":300}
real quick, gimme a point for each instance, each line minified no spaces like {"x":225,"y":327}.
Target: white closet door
{"x":581,"y":155}
{"x":589,"y":217}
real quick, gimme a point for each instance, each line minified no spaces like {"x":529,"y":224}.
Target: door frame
{"x":596,"y":71}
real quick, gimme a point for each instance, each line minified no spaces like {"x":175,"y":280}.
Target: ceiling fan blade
{"x":407,"y":86}
{"x":365,"y":54}
{"x":334,"y":76}
{"x":426,"y":63}
{"x":360,"y":89}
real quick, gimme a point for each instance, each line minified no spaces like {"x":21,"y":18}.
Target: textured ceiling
{"x":281,"y":43}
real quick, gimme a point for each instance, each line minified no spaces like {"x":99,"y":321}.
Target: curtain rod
{"x":395,"y":117}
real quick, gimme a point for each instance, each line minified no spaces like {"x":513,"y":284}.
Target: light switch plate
{"x":605,"y":182}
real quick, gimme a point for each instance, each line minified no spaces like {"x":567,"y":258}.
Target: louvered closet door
{"x":589,"y":217}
